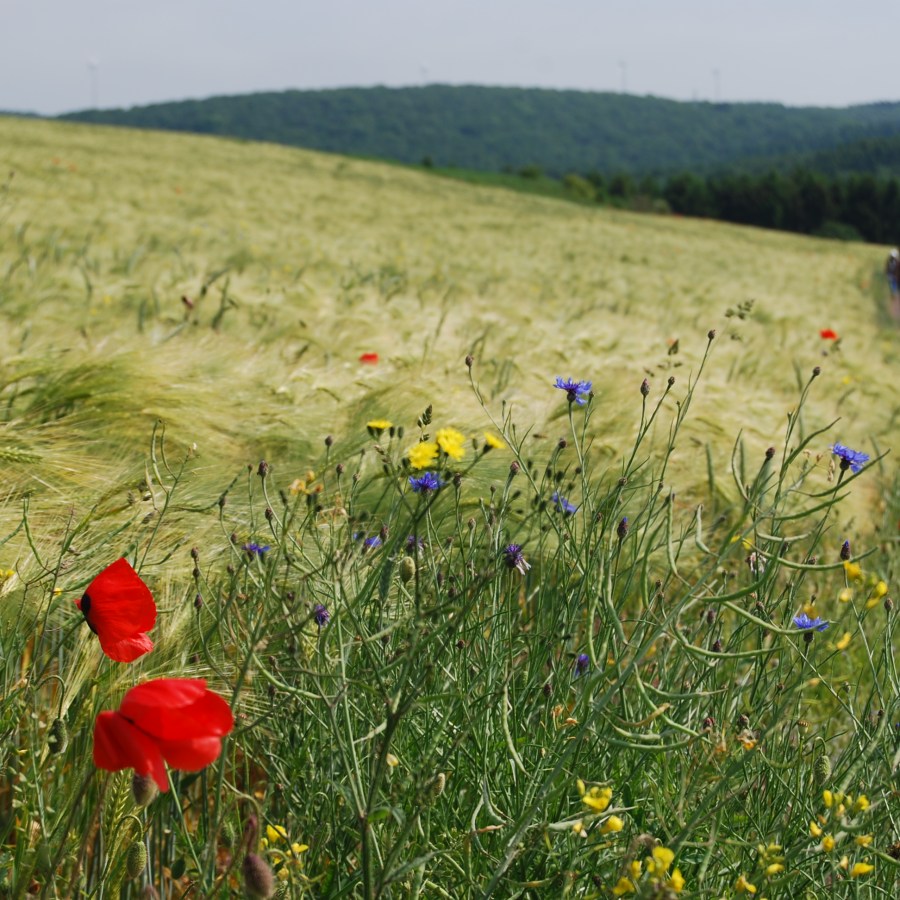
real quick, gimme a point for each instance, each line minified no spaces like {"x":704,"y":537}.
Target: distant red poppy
{"x":828,"y":335}
{"x":173,"y":719}
{"x":119,"y":608}
{"x":370,"y":358}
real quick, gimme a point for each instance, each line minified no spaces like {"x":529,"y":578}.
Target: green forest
{"x":490,"y":128}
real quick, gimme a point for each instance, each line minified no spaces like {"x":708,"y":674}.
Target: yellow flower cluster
{"x":840,"y":805}
{"x":876,"y":589}
{"x":597,"y":798}
{"x":451,"y":442}
{"x":283,"y":858}
{"x":656,"y":866}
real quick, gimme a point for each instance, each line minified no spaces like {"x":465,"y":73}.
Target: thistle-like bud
{"x":770,"y":452}
{"x":711,"y":333}
{"x":817,"y":371}
{"x":258,"y":878}
{"x":263,"y":469}
{"x":136,"y":860}
{"x":407,"y":569}
{"x":622,"y":528}
{"x":329,"y":440}
{"x":645,"y":388}
{"x":822,"y":769}
{"x":845,"y":550}
{"x":58,"y":739}
{"x":143,"y":789}
{"x":469,"y":361}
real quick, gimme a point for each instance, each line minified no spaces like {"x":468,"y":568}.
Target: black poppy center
{"x":85,"y":609}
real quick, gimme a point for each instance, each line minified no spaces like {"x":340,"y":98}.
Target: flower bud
{"x":143,"y":789}
{"x":58,"y":739}
{"x":770,"y":452}
{"x":407,"y":569}
{"x":622,"y":528}
{"x":845,"y":550}
{"x":645,"y":388}
{"x":470,"y":360}
{"x":136,"y":860}
{"x":263,"y":469}
{"x":821,"y":769}
{"x":711,"y":333}
{"x":258,"y":878}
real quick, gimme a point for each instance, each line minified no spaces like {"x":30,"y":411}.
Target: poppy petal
{"x":175,"y":709}
{"x":192,"y":755}
{"x":119,"y":604}
{"x":119,"y":745}
{"x":126,"y":650}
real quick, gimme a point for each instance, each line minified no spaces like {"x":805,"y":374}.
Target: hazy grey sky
{"x":799,"y":52}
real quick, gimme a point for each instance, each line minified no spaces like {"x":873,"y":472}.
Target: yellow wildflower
{"x":392,"y":760}
{"x":676,"y":881}
{"x":827,"y":798}
{"x":863,"y":840}
{"x":451,"y":442}
{"x":283,"y":874}
{"x":814,"y":830}
{"x":297,"y":849}
{"x":774,"y":869}
{"x":612,"y":824}
{"x":276,"y":833}
{"x":844,"y":863}
{"x":662,"y":859}
{"x":844,"y":642}
{"x":862,"y":803}
{"x":635,"y":869}
{"x":846,"y":595}
{"x":742,"y":886}
{"x":827,"y":843}
{"x":861,"y":868}
{"x":493,"y":442}
{"x":597,"y":798}
{"x":578,"y":828}
{"x":853,"y":571}
{"x":378,"y":425}
{"x":879,"y":590}
{"x":422,"y":455}
{"x":624,"y":886}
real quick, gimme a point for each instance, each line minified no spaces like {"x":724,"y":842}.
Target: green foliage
{"x":489,"y":128}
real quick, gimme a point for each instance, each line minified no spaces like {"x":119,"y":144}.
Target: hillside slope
{"x":491,"y":128}
{"x":295,"y":263}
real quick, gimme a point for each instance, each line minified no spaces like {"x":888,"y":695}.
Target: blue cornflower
{"x":321,"y":615}
{"x":805,"y":623}
{"x":850,"y":459}
{"x":414,"y":543}
{"x":372,"y":543}
{"x":252,"y":547}
{"x":513,"y":557}
{"x":563,"y":505}
{"x":576,"y":391}
{"x":582,"y":664}
{"x":425,"y":483}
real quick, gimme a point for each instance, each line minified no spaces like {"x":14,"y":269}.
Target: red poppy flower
{"x":173,"y":719}
{"x":828,"y":335}
{"x":119,"y":608}
{"x":371,"y":358}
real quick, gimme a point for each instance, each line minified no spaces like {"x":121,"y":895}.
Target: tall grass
{"x":462,"y":724}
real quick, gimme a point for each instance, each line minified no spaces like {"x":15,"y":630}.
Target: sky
{"x":62,"y":55}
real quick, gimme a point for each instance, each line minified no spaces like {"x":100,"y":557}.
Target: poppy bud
{"x":258,"y":878}
{"x":58,"y":739}
{"x":407,"y":569}
{"x":136,"y":861}
{"x":143,"y":789}
{"x":822,"y":769}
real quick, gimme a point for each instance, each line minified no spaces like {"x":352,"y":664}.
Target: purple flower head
{"x":563,"y":505}
{"x":425,"y":483}
{"x":321,"y":615}
{"x":850,"y":459}
{"x":372,"y":543}
{"x":414,"y":544}
{"x":252,"y":547}
{"x":514,"y":559}
{"x":576,"y":391}
{"x":582,"y":664}
{"x":805,"y":623}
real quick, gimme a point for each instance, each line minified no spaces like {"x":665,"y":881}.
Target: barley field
{"x":477,"y":635}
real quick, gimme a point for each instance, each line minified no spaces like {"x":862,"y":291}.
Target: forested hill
{"x":492,"y":128}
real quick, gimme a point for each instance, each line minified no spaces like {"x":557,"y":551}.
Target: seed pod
{"x":58,"y":739}
{"x":438,"y":784}
{"x":136,"y":861}
{"x":407,"y":569}
{"x":822,"y":769}
{"x":258,"y":878}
